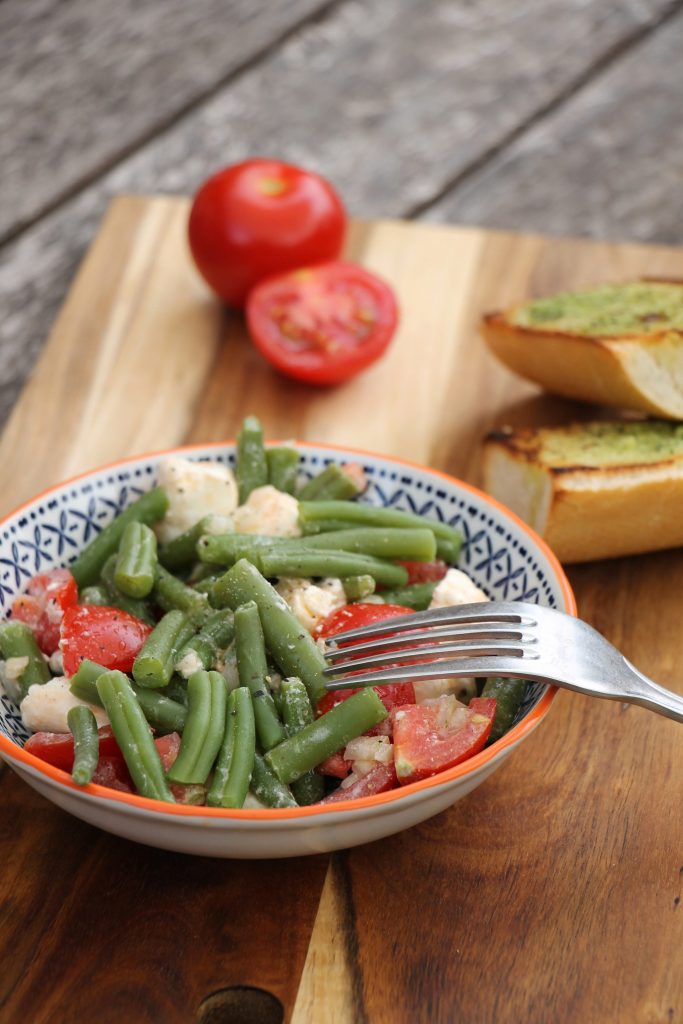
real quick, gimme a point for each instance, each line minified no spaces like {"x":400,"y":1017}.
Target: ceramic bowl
{"x":500,"y":553}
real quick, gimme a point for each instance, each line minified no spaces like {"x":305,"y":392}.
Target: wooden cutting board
{"x":553,"y":892}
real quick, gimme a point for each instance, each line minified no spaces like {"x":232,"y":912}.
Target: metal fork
{"x":494,"y":638}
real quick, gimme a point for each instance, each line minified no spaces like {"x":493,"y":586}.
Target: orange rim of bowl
{"x":510,"y":739}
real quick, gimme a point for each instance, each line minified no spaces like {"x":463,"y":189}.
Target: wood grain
{"x":605,"y":164}
{"x":391,"y":100}
{"x":83,"y":83}
{"x":96,"y":928}
{"x":551,"y":894}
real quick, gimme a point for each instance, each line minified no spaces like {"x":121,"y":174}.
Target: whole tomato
{"x":259,"y":218}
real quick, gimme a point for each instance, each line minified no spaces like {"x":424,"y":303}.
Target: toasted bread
{"x":592,"y":490}
{"x":619,"y":345}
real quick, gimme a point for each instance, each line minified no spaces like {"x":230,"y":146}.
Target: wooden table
{"x":550,"y":894}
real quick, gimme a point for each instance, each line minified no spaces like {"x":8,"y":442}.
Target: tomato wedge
{"x":424,"y":572}
{"x":336,"y":766}
{"x":57,"y":748}
{"x":353,"y":616}
{"x":113,"y":773}
{"x":47,"y":597}
{"x":322,"y":324}
{"x":377,"y":780}
{"x":429,"y":738}
{"x":109,"y":636}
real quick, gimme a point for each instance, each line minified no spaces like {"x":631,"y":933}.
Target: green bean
{"x":228,"y":548}
{"x":509,"y":694}
{"x":417,"y":596}
{"x":352,"y":513}
{"x":176,"y":690}
{"x":410,"y":544}
{"x":253,"y":670}
{"x":251,"y":468}
{"x":159,"y":709}
{"x":266,"y":786}
{"x":215,"y":635}
{"x":83,"y":683}
{"x":334,"y":483}
{"x":235,"y":763}
{"x":136,"y":561}
{"x":414,"y":544}
{"x":204,"y":728}
{"x":17,"y":641}
{"x":181,"y":551}
{"x":283,"y":464}
{"x":94,"y":594}
{"x":326,"y":735}
{"x":148,"y":509}
{"x":133,"y":736}
{"x":153,"y":667}
{"x":83,"y":727}
{"x":298,"y":713}
{"x":292,"y":647}
{"x":133,"y":605}
{"x":171,"y":593}
{"x":280,"y":562}
{"x":358,"y":587}
{"x":205,"y":585}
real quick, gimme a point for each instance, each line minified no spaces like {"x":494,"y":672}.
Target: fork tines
{"x":428,"y":639}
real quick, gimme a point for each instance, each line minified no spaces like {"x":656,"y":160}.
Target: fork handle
{"x":654,"y":697}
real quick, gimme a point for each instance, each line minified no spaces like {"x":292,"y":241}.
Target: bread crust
{"x":588,"y":513}
{"x":634,"y":371}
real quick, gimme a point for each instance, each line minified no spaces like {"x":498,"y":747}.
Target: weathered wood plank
{"x":83,"y":81}
{"x":390,"y":100}
{"x":606,"y":164}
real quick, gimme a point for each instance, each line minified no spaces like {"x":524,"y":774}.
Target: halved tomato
{"x":429,"y":738}
{"x":42,"y":607}
{"x":322,"y":324}
{"x":109,"y":636}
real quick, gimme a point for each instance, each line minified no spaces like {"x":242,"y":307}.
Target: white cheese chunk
{"x":456,"y":588}
{"x":195,"y":490}
{"x":312,"y":602}
{"x":190,"y":664}
{"x":268,"y":511}
{"x":45,"y":707}
{"x":429,"y":689}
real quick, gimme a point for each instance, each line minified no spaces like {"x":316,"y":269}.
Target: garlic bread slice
{"x":617,"y":344}
{"x":592,"y":490}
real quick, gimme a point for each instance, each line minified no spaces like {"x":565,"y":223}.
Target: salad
{"x":180,"y":656}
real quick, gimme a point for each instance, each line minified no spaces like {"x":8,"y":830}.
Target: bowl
{"x":500,"y":553}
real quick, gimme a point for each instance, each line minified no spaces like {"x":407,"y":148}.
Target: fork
{"x":500,"y":638}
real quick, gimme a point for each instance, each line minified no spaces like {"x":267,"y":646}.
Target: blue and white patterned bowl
{"x":501,"y":554}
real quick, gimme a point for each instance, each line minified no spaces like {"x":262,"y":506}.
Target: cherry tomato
{"x":353,"y":616}
{"x":109,"y":636}
{"x":259,"y":218}
{"x":425,"y":745}
{"x":377,"y":780}
{"x":425,"y":572}
{"x":322,"y":324}
{"x":48,"y":596}
{"x":57,"y":748}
